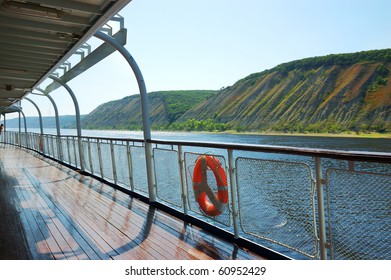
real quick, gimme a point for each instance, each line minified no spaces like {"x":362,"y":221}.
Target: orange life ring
{"x":216,"y":204}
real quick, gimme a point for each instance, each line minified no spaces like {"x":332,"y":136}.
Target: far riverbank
{"x":343,"y":134}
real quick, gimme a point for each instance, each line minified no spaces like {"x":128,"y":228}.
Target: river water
{"x":337,"y":143}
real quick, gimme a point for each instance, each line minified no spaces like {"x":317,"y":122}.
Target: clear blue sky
{"x":208,"y":44}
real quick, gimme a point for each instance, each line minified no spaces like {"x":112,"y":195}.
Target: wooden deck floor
{"x":48,"y":211}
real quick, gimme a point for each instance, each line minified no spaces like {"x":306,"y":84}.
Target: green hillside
{"x":165,"y":107}
{"x":66,"y":121}
{"x":333,"y":93}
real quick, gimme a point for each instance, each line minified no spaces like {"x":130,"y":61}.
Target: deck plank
{"x":127,"y":224}
{"x":137,"y":227}
{"x":90,"y":219}
{"x":59,"y":213}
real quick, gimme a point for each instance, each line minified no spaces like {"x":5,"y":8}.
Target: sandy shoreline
{"x":345,"y":134}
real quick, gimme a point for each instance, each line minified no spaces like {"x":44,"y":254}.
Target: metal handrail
{"x":324,"y":153}
{"x":379,"y":157}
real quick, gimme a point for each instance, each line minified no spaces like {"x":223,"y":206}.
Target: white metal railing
{"x":319,"y":203}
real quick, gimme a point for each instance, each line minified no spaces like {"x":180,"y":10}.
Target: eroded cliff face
{"x":326,"y":98}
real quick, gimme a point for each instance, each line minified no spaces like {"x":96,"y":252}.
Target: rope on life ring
{"x":210,"y":204}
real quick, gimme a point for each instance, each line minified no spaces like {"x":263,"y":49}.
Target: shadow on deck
{"x":48,"y":211}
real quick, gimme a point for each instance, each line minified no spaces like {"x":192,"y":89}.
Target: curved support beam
{"x":41,"y":145}
{"x":144,"y":109}
{"x":25,"y":125}
{"x":55,"y":111}
{"x":57,"y":118}
{"x":39,"y":114}
{"x":19,"y":110}
{"x":140,"y":80}
{"x":78,"y":120}
{"x":75,"y":102}
{"x":24,"y":121}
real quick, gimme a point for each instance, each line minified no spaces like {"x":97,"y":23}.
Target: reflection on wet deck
{"x":48,"y":211}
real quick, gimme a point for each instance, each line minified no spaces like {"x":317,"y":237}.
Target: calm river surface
{"x":338,"y":143}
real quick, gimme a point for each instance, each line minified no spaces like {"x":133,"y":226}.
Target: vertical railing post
{"x":19,"y":131}
{"x":52,"y":146}
{"x":235,"y":213}
{"x":100,"y":159}
{"x":181,"y":164}
{"x":69,"y":143}
{"x":113,"y":162}
{"x":69,"y":152}
{"x":20,"y":127}
{"x":17,"y":142}
{"x":49,"y":146}
{"x":321,"y":212}
{"x":130,"y":168}
{"x":74,"y":148}
{"x":59,"y":147}
{"x":90,"y":156}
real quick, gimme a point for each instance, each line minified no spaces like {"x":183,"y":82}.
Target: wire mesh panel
{"x":359,"y":209}
{"x":23,"y":140}
{"x":107,"y":165}
{"x":87,"y":164}
{"x":276,"y":203}
{"x":168,"y":179}
{"x":49,"y":148}
{"x":372,"y":167}
{"x":30,"y":140}
{"x":121,"y":164}
{"x":6,"y":137}
{"x":94,"y":150}
{"x":77,"y":155}
{"x":328,"y":163}
{"x":46,"y":144}
{"x":55,"y":152}
{"x":16,"y":138}
{"x":190,"y":160}
{"x":72,"y":151}
{"x":139,"y":169}
{"x":65,"y":150}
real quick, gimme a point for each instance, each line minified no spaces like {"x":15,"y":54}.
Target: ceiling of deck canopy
{"x":38,"y":36}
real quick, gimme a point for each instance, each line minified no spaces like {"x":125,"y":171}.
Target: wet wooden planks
{"x":51,"y":212}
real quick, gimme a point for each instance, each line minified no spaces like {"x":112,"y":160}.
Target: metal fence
{"x":281,"y":200}
{"x":359,"y":214}
{"x":318,"y":203}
